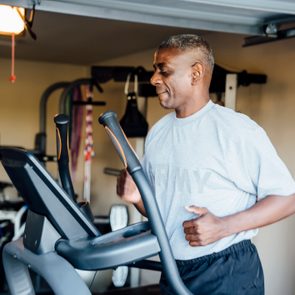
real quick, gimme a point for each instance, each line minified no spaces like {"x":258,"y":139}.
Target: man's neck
{"x":193,"y":108}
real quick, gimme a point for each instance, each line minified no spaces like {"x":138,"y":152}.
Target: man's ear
{"x":198,"y":71}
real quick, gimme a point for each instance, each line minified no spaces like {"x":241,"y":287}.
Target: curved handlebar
{"x":128,"y":157}
{"x":126,"y":153}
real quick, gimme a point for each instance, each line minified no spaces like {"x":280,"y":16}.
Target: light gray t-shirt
{"x":215,"y":158}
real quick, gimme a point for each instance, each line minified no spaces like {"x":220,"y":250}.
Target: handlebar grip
{"x":62,"y":122}
{"x":126,"y":153}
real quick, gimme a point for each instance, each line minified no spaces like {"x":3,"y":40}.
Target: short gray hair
{"x":190,"y":41}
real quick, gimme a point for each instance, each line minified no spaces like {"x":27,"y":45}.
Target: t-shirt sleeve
{"x":256,"y":168}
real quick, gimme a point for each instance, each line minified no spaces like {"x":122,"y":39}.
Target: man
{"x":216,"y":176}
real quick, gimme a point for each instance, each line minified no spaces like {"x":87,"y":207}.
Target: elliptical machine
{"x":61,"y":237}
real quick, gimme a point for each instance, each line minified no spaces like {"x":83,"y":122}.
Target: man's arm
{"x":127,"y":190}
{"x":208,"y":228}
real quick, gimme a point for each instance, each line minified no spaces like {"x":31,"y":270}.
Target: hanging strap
{"x":88,"y":150}
{"x":135,"y":85}
{"x":133,"y":122}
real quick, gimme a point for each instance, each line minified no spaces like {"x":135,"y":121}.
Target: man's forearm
{"x":264,"y":212}
{"x":140,"y":207}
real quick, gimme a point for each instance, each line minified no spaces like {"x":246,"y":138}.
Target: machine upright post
{"x":231,"y":91}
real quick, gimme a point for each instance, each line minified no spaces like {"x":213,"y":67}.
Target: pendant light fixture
{"x":13,"y":22}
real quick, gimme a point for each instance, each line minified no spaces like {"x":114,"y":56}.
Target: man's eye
{"x":164,"y":73}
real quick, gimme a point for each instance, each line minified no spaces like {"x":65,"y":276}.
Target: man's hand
{"x":128,"y":191}
{"x":206,"y":228}
{"x":126,"y":188}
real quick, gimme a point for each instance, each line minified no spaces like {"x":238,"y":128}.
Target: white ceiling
{"x":85,"y":31}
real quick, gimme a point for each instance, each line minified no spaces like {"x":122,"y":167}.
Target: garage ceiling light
{"x":11,"y":20}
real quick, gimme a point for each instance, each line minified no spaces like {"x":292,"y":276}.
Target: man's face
{"x":173,"y":77}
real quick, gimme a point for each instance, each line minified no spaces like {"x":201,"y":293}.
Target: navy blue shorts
{"x":236,"y":270}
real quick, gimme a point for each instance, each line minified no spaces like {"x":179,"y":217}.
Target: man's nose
{"x":155,"y":79}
